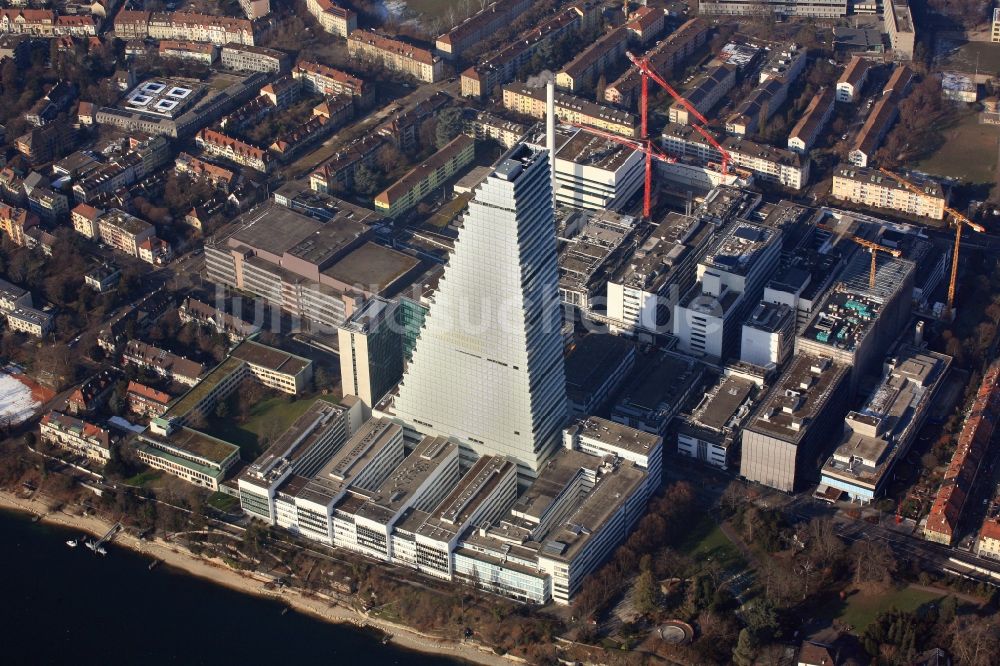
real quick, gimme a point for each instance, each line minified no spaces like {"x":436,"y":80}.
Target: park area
{"x":264,"y":422}
{"x":968,"y":152}
{"x":860,"y":608}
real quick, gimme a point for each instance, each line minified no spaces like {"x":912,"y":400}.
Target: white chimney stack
{"x":550,"y":133}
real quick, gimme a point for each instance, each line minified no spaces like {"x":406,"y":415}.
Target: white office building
{"x":768,"y":335}
{"x":488,"y":365}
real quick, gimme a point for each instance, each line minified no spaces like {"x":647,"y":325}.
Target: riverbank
{"x":220,"y":574}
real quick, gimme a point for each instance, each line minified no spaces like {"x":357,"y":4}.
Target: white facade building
{"x":488,"y":365}
{"x":768,"y":335}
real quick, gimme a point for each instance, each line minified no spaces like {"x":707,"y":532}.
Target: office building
{"x":199,"y":459}
{"x":898,"y":23}
{"x":731,"y":281}
{"x":302,"y":449}
{"x":592,"y":172}
{"x":881,"y":432}
{"x":496,"y":381}
{"x":593,"y":246}
{"x":595,"y":369}
{"x":768,"y":335}
{"x":242,"y":58}
{"x":660,"y":386}
{"x":784,"y":436}
{"x":710,"y":432}
{"x":371,"y":352}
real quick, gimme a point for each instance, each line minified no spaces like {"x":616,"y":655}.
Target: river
{"x":61,"y":605}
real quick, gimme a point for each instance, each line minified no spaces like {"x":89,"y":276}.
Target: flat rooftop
{"x":559,"y":471}
{"x":617,"y":435}
{"x":739,"y":247}
{"x":271,"y":228}
{"x":397,"y":490}
{"x":376,"y":267}
{"x":197,"y":444}
{"x":337,"y":475}
{"x":661,"y":379}
{"x":717,"y":407}
{"x":329,"y":241}
{"x":296,"y":441}
{"x":797,"y":398}
{"x":769,"y":317}
{"x":271,"y":358}
{"x":670,"y":245}
{"x":585,"y":149}
{"x":450,"y":516}
{"x":593,"y":360}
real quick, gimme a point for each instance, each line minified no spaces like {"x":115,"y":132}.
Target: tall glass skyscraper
{"x":488,"y":365}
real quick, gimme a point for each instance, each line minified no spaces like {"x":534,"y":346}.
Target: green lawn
{"x":969,"y":152}
{"x":276,"y":410}
{"x":223,"y":502}
{"x":144,"y":478}
{"x":706,"y":542}
{"x":860,"y":609}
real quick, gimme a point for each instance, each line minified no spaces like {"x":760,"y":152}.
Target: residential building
{"x":605,"y":52}
{"x":255,"y":9}
{"x":146,"y":401}
{"x":967,"y":460}
{"x":988,"y":544}
{"x":530,"y":102}
{"x":505,"y":132}
{"x":13,"y":297}
{"x":852,"y":81}
{"x":880,"y":433}
{"x":504,"y":391}
{"x":396,"y":55}
{"x":202,"y":52}
{"x":876,"y":126}
{"x":995,"y":26}
{"x":163,"y":363}
{"x":245,"y":58}
{"x":501,"y":66}
{"x":480,"y":26}
{"x":76,"y":436}
{"x":821,"y":9}
{"x":124,"y":232}
{"x":371,"y":352}
{"x":15,"y":222}
{"x":193,"y":26}
{"x":86,"y":220}
{"x":332,"y":17}
{"x":664,"y":58}
{"x":92,"y":393}
{"x":785,"y":434}
{"x":322,"y":80}
{"x":193,"y":456}
{"x":423,"y":179}
{"x":812,"y":123}
{"x":103,"y":277}
{"x":869,"y":187}
{"x":233,"y":327}
{"x":234,"y":150}
{"x":898,"y":23}
{"x":645,"y":24}
{"x":198,"y":169}
{"x":31,"y":321}
{"x":704,"y":93}
{"x":45,"y":143}
{"x":767,"y":163}
{"x":710,"y":431}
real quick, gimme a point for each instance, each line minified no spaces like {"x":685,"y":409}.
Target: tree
{"x":449,"y":125}
{"x":761,"y":619}
{"x":975,"y":640}
{"x":365,"y":181}
{"x":874,"y":562}
{"x":644,"y":592}
{"x":746,"y":649}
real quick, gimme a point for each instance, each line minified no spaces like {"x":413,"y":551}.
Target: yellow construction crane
{"x":874,"y":249}
{"x":957,"y":220}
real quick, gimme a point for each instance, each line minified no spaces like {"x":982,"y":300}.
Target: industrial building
{"x":593,"y":245}
{"x":880,"y":433}
{"x":768,"y":335}
{"x":659,"y":388}
{"x":595,"y":368}
{"x":782,"y":441}
{"x":710,"y":432}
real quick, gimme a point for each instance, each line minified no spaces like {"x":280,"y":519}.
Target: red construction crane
{"x":647,"y":72}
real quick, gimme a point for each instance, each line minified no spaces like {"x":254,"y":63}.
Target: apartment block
{"x":481,"y":25}
{"x":530,"y":102}
{"x":246,"y":58}
{"x":202,"y":52}
{"x":898,"y":24}
{"x":705,"y":92}
{"x":422,"y":180}
{"x":163,"y":363}
{"x":582,"y":71}
{"x":219,"y":30}
{"x":396,"y":55}
{"x":15,"y":222}
{"x":812,"y":123}
{"x":881,"y":119}
{"x":322,"y":80}
{"x":823,"y":9}
{"x":237,"y":151}
{"x":76,"y":436}
{"x":869,"y":187}
{"x":145,"y":400}
{"x":853,"y":79}
{"x":645,"y":24}
{"x":332,"y":17}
